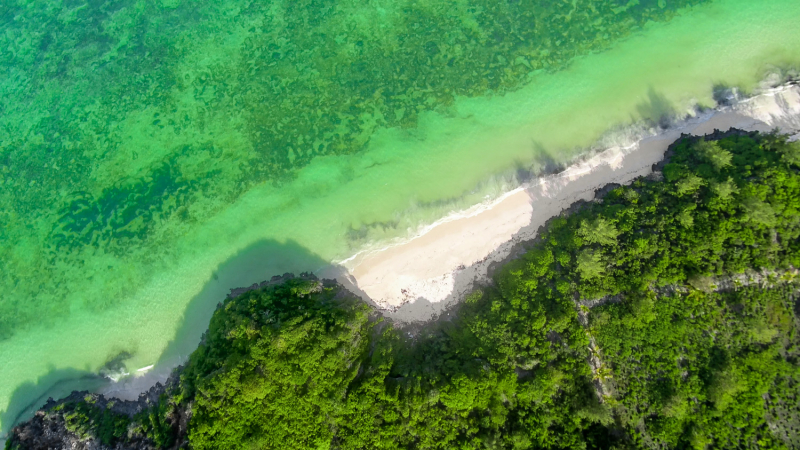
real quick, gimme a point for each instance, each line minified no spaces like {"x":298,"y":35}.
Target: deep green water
{"x":155,"y":154}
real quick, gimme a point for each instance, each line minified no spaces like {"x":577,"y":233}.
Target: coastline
{"x":510,"y":332}
{"x":416,"y":279}
{"x":342,"y":204}
{"x":441,"y":262}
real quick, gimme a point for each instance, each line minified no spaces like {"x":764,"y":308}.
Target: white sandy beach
{"x":419,"y":278}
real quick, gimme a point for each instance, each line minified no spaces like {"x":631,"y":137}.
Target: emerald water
{"x":156,"y":154}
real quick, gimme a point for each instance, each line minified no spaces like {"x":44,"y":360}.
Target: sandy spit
{"x":418,"y":279}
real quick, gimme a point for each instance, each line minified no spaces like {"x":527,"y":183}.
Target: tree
{"x":590,"y":264}
{"x":791,"y":152}
{"x":689,"y":184}
{"x":713,"y":153}
{"x":599,"y":231}
{"x":759,"y":211}
{"x":724,"y":189}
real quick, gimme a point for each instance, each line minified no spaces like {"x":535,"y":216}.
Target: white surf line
{"x":585,"y":162}
{"x":578,"y":167}
{"x":472,"y":211}
{"x":584,"y":165}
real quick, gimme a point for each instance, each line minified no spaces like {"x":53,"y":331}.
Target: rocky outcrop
{"x":49,"y":430}
{"x":86,"y":421}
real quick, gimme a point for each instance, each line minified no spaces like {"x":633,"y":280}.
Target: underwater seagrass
{"x":125,"y":123}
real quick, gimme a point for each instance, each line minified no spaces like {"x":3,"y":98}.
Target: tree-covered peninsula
{"x":663,"y":315}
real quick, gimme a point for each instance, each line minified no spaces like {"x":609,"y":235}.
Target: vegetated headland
{"x":663,"y":315}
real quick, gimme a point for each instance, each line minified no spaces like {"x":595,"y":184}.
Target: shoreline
{"x":494,"y":228}
{"x":418,"y":278}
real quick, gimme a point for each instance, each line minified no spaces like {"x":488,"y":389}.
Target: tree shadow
{"x":552,"y":195}
{"x":30,"y":396}
{"x":258,"y":262}
{"x":267,"y":258}
{"x":724,"y":94}
{"x":657,"y":109}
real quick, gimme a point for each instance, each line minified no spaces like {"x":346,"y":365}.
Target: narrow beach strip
{"x":417,"y":279}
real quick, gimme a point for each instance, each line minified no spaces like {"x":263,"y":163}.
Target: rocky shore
{"x":58,"y":424}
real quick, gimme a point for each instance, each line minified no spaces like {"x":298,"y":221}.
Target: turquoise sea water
{"x":155,"y":154}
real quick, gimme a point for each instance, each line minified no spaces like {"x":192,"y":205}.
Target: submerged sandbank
{"x":416,"y":279}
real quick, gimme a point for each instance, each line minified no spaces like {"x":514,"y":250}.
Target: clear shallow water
{"x":133,"y":206}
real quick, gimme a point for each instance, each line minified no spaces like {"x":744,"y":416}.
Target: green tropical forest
{"x":663,"y":315}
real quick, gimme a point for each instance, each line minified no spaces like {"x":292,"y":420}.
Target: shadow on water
{"x":265,"y":259}
{"x":57,"y":383}
{"x":657,"y":109}
{"x":258,"y":262}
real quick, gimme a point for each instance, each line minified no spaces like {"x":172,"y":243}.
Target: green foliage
{"x":759,"y":211}
{"x":86,"y":420}
{"x":688,"y":184}
{"x":590,"y":264}
{"x":275,"y":368}
{"x":791,"y":153}
{"x":154,"y":423}
{"x":685,"y":218}
{"x":724,"y":189}
{"x":600,"y":231}
{"x":711,"y":151}
{"x":281,"y":369}
{"x":699,"y":370}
